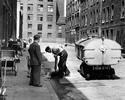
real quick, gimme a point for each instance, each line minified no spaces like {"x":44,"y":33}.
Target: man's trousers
{"x":35,"y":75}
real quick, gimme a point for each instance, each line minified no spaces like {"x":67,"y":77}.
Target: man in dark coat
{"x":35,"y":62}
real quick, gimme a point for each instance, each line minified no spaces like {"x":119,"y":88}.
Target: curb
{"x":51,"y":90}
{"x":53,"y":95}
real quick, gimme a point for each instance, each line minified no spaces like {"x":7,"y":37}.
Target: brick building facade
{"x":98,"y":17}
{"x":72,"y":20}
{"x":113,"y":20}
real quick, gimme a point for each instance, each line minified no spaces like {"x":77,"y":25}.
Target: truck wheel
{"x":113,"y":73}
{"x":113,"y":76}
{"x":87,"y":76}
{"x":81,"y":70}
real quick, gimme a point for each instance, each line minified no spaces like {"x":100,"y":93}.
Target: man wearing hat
{"x":35,"y":62}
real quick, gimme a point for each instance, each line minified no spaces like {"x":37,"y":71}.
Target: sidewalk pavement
{"x":18,"y":86}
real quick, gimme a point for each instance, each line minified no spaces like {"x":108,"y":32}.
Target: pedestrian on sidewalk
{"x":62,"y":54}
{"x":28,"y":58}
{"x":35,"y":62}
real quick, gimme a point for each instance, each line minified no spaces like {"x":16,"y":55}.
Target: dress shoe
{"x":28,"y":76}
{"x":30,"y":84}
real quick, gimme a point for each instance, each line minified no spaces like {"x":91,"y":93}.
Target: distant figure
{"x":62,"y":54}
{"x":35,"y":62}
{"x":28,"y":59}
{"x":3,"y":43}
{"x":10,"y":43}
{"x":19,"y":47}
{"x":29,"y":42}
{"x":24,"y":44}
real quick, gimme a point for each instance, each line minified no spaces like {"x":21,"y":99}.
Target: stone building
{"x":89,"y":18}
{"x":7,"y":20}
{"x":98,"y":17}
{"x":72,"y":20}
{"x":40,"y":17}
{"x":113,"y":20}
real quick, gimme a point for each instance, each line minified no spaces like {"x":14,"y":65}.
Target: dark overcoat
{"x":35,"y":62}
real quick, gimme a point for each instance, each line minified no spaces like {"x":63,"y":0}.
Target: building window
{"x":85,"y":20}
{"x":49,"y":35}
{"x":49,"y":26}
{"x":50,"y":0}
{"x":50,"y":18}
{"x":30,"y":7}
{"x":50,"y":8}
{"x":39,"y":27}
{"x":107,"y":33}
{"x":112,"y":12}
{"x":82,"y":17}
{"x":40,"y":17}
{"x":60,"y":29}
{"x":29,"y":34}
{"x":59,"y":35}
{"x":111,"y":34}
{"x":40,"y":7}
{"x":123,"y":3}
{"x":29,"y":26}
{"x":91,"y":2}
{"x":103,"y":33}
{"x":123,"y":9}
{"x":90,"y":18}
{"x":96,"y":31}
{"x":107,"y":14}
{"x":93,"y":31}
{"x":97,"y":1}
{"x":40,"y":33}
{"x":30,"y":17}
{"x":103,"y":15}
{"x":21,"y":6}
{"x":122,"y":13}
{"x":96,"y":16}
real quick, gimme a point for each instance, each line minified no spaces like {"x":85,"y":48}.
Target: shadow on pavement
{"x":64,"y":90}
{"x":103,"y":77}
